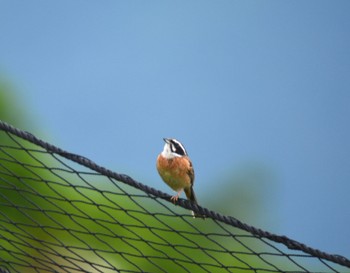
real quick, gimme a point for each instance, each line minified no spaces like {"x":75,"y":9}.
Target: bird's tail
{"x":192,"y":197}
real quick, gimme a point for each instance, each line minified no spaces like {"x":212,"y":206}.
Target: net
{"x":61,"y":212}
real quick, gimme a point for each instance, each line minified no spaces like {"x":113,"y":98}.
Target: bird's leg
{"x":176,"y":197}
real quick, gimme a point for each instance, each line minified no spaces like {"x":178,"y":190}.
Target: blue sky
{"x":240,"y":83}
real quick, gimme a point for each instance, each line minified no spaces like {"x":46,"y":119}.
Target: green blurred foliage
{"x":247,"y":192}
{"x":11,"y":107}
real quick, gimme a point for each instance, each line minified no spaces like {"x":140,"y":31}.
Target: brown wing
{"x":191,"y":173}
{"x":189,"y":191}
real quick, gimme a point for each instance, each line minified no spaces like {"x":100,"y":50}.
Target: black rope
{"x":289,"y":243}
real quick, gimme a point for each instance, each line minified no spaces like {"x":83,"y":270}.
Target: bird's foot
{"x":175,"y":197}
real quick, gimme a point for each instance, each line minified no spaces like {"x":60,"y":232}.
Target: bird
{"x":175,"y":168}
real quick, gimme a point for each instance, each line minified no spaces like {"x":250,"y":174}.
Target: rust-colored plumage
{"x":177,"y":172}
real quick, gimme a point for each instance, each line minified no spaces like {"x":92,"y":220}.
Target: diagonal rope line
{"x":109,"y":208}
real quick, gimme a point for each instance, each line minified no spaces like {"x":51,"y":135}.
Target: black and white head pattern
{"x":173,"y":148}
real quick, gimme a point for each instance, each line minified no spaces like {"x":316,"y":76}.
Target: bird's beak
{"x":167,"y":140}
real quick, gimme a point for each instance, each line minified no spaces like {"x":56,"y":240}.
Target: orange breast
{"x":175,"y":172}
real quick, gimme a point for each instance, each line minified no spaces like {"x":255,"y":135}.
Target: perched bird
{"x":175,"y":168}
